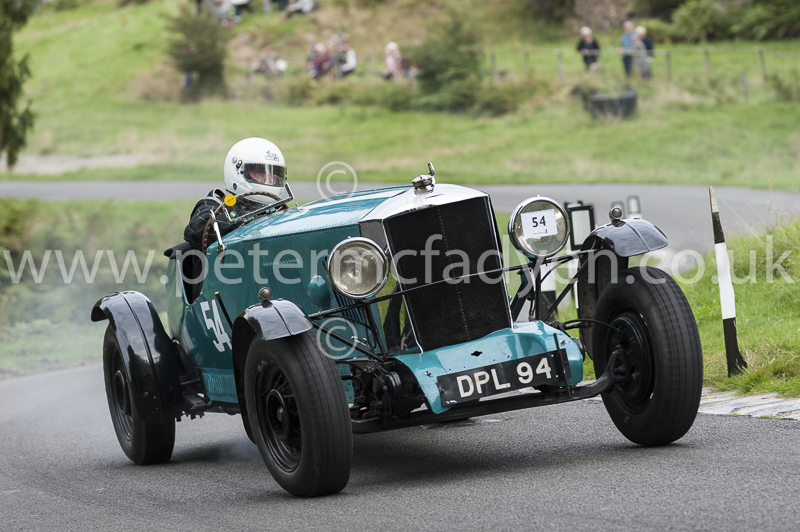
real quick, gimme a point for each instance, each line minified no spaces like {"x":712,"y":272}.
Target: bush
{"x":197,"y":46}
{"x":786,"y":89}
{"x":449,"y":66}
{"x":699,"y":21}
{"x":64,"y":5}
{"x":660,"y":32}
{"x":658,"y":8}
{"x":505,"y":98}
{"x":767,"y":19}
{"x":300,"y":90}
{"x":552,"y":10}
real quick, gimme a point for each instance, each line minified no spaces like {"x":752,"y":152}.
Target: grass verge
{"x":766,"y":308}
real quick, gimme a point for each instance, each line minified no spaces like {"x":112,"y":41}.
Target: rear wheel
{"x":659,"y":360}
{"x":144,"y":443}
{"x":299,"y":415}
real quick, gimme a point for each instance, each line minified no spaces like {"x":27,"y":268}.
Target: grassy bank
{"x":90,"y":66}
{"x":46,"y":325}
{"x":767,"y":319}
{"x":735,"y":146}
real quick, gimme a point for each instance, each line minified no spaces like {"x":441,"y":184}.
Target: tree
{"x":14,"y":121}
{"x":449,"y":65}
{"x":197,"y":47}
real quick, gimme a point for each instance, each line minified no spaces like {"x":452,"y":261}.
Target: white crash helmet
{"x":256,"y":165}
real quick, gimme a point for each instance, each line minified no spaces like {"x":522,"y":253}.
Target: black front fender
{"x":269,"y":321}
{"x":147,"y":353}
{"x":626,"y":238}
{"x":612,"y":244}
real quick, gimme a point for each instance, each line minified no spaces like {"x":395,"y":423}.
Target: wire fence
{"x":563,"y":66}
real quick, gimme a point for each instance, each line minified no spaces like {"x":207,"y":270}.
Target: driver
{"x":252,"y":165}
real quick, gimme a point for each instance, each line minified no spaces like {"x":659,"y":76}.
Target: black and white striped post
{"x":727,"y":301}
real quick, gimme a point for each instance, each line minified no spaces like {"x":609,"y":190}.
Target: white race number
{"x":539,"y":224}
{"x":215,"y":325}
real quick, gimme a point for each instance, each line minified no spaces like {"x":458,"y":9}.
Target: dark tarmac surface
{"x":554,"y":468}
{"x":681,"y":211}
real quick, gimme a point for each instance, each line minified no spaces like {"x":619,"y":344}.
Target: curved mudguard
{"x":627,"y":238}
{"x":267,"y":320}
{"x":147,"y":353}
{"x":623,"y":239}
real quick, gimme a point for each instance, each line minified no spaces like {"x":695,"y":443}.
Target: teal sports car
{"x":387,"y":309}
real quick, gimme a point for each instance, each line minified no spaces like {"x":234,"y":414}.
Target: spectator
{"x":626,"y":47}
{"x":640,"y":53}
{"x":590,"y":49}
{"x":238,"y":7}
{"x":300,"y":6}
{"x":645,"y":53}
{"x":648,"y":43}
{"x":344,"y":57}
{"x":223,"y":10}
{"x":319,"y":61}
{"x":269,"y":66}
{"x":394,"y":61}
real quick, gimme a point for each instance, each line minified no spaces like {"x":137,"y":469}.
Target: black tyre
{"x":659,"y":360}
{"x":144,"y":443}
{"x":299,"y":415}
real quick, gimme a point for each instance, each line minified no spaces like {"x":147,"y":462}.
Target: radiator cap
{"x":424,"y":183}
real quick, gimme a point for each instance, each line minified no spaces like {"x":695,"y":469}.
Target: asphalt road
{"x":554,"y":468}
{"x":681,"y":211}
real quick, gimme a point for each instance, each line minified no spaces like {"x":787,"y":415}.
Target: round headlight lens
{"x":539,"y":227}
{"x":357,"y":268}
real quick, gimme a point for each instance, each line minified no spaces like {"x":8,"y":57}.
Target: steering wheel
{"x":207,"y":231}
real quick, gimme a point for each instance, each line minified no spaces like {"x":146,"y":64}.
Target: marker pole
{"x":727,"y":301}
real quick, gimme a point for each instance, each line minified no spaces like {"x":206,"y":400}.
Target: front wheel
{"x":659,"y":363}
{"x":299,"y":415}
{"x":143,"y":442}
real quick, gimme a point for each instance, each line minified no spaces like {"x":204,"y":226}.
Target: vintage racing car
{"x":388,"y":309}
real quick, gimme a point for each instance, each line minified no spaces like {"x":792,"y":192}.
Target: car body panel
{"x":523,"y":340}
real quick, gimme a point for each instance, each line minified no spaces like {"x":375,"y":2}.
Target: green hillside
{"x":102,"y":84}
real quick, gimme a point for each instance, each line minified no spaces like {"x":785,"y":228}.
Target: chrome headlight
{"x":539,"y":227}
{"x":357,"y":268}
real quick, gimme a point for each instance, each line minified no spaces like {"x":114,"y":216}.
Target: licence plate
{"x":473,"y":384}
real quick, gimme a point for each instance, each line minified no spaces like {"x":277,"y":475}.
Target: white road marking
{"x":730,"y":404}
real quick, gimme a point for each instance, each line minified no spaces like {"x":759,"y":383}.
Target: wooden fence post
{"x":761,"y":62}
{"x":369,"y":67}
{"x":560,"y":67}
{"x":669,"y":65}
{"x":494,"y":67}
{"x":744,"y":87}
{"x":527,"y":63}
{"x":708,"y":64}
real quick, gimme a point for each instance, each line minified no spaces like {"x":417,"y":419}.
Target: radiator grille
{"x":449,"y":314}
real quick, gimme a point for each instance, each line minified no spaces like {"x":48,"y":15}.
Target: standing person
{"x":640,"y":54}
{"x":644,"y":51}
{"x":646,"y":41}
{"x":590,"y":49}
{"x":394,"y":61}
{"x":626,"y":47}
{"x":238,"y":7}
